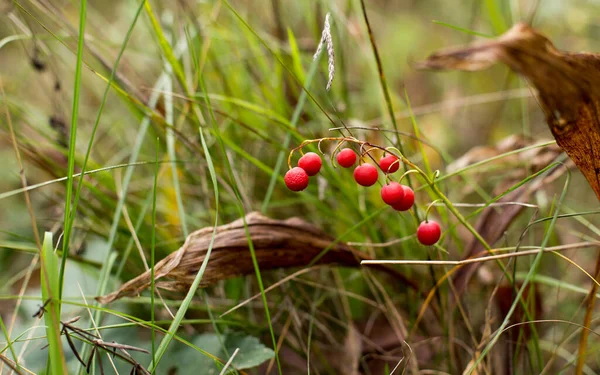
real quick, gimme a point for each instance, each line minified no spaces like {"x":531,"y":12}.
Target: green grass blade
{"x":50,"y":291}
{"x":496,"y":17}
{"x":240,"y":207}
{"x":164,"y":344}
{"x":382,"y":79}
{"x":170,"y":140}
{"x":417,"y":133}
{"x":281,"y":157}
{"x":99,"y":116}
{"x":462,"y":29}
{"x":166,"y":47}
{"x":9,"y":343}
{"x":67,"y":223}
{"x":295,"y":54}
{"x":153,"y":248}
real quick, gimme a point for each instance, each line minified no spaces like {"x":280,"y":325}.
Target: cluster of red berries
{"x":399,"y":197}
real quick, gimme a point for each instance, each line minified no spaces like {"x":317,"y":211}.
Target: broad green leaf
{"x":251,"y":353}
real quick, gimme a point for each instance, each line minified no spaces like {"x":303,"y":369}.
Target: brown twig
{"x":117,"y":350}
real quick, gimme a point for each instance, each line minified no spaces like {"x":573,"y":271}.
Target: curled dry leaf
{"x":277,"y":244}
{"x":568,"y":86}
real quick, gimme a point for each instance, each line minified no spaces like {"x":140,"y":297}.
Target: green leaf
{"x":251,"y":353}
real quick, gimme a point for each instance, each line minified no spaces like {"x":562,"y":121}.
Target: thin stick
{"x":481,"y":259}
{"x":229,"y":362}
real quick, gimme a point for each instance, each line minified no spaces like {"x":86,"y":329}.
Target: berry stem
{"x":407,"y":173}
{"x":336,"y":149}
{"x":319,"y":147}
{"x":319,"y":140}
{"x":364,"y":152}
{"x":429,"y":208}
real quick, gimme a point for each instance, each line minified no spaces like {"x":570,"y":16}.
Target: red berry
{"x":365,"y":175}
{"x":392,"y":193}
{"x":429,"y":232}
{"x":296,"y":179}
{"x":407,"y":202}
{"x":389,"y":164}
{"x":311,"y":163}
{"x":346,"y":158}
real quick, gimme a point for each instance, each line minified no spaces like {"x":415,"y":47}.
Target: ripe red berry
{"x":296,"y":179}
{"x":392,"y":193}
{"x":407,"y":202}
{"x":389,"y":164}
{"x":311,"y":163}
{"x":346,"y":158}
{"x":365,"y":175}
{"x":429,"y":232}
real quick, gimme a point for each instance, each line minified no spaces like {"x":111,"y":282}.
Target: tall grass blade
{"x":67,"y":223}
{"x":50,"y":291}
{"x":281,"y":157}
{"x":153,"y":248}
{"x":164,"y":344}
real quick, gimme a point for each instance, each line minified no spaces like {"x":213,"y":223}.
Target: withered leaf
{"x":568,"y":85}
{"x":277,"y":244}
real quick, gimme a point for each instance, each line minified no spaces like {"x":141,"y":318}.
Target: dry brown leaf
{"x":277,"y":243}
{"x":568,"y":86}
